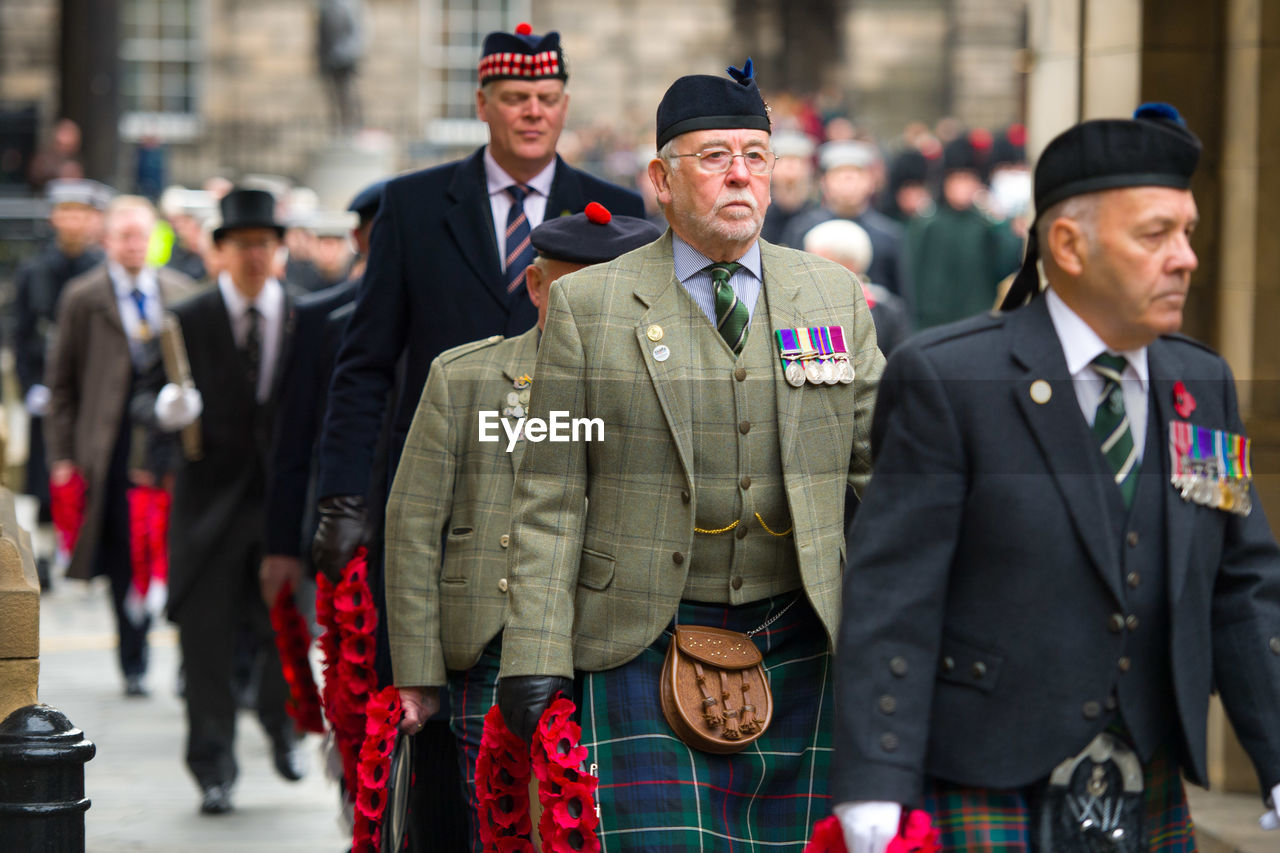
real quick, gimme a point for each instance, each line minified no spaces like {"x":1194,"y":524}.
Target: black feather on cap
{"x":593,"y":236}
{"x":522,"y":56}
{"x":1153,"y":149}
{"x":704,"y":102}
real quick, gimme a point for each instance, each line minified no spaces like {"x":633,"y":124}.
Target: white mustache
{"x":737,"y":198}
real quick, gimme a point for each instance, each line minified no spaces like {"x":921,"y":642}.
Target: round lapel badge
{"x":1041,"y":392}
{"x":661,"y":353}
{"x":654,"y":333}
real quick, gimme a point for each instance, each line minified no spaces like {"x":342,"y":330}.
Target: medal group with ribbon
{"x":815,"y":354}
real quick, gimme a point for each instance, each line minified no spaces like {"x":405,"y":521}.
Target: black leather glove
{"x":523,"y":698}
{"x":341,"y":531}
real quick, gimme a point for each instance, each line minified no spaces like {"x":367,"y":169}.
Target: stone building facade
{"x":244,"y":73}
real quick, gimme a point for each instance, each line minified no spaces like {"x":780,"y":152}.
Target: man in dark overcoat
{"x":237,"y":335}
{"x":109,"y":321}
{"x":1061,"y":553}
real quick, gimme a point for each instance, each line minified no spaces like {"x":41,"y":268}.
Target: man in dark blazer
{"x":443,"y":270}
{"x":1061,"y":554}
{"x":109,"y":321}
{"x":237,"y":335}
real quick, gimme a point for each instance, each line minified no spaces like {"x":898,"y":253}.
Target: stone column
{"x":19,"y":613}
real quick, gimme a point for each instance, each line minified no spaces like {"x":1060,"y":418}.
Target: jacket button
{"x":1131,"y":622}
{"x":504,"y":540}
{"x":889,"y":742}
{"x":740,"y":374}
{"x":898,"y":666}
{"x":887,"y":704}
{"x":1124,"y":663}
{"x":684,"y":496}
{"x":1132,"y":539}
{"x":745,"y":482}
{"x":1111,"y":702}
{"x":1091,"y":710}
{"x":948,"y":664}
{"x":1133,"y":579}
{"x":502,"y":584}
{"x":677,"y":558}
{"x":1116,"y":623}
{"x":1274,"y":645}
{"x":979,"y":669}
{"x":741,"y":532}
{"x":737,"y":583}
{"x":744,"y":427}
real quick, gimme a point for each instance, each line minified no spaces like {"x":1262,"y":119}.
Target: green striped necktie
{"x":1111,"y":427}
{"x":731,"y":314}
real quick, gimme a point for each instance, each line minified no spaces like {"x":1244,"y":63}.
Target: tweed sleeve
{"x":418,"y":511}
{"x":548,"y":511}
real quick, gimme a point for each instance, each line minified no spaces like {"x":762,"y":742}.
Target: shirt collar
{"x":120,"y":281}
{"x":498,"y":180}
{"x":689,"y":261}
{"x":237,"y":304}
{"x":1081,"y":344}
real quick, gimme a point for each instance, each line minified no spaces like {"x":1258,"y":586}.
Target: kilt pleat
{"x":660,"y":796}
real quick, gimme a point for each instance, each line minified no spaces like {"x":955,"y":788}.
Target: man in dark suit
{"x":236,"y":335}
{"x":290,"y":517}
{"x":1034,"y":617}
{"x":109,"y":321}
{"x":446,"y":266}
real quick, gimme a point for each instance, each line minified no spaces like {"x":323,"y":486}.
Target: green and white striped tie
{"x":731,"y":314}
{"x":1111,"y":427}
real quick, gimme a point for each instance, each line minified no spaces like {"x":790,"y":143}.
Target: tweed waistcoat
{"x":738,"y":469}
{"x":1144,"y":677}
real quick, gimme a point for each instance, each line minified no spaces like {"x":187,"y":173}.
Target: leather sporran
{"x":715,"y":694}
{"x":1093,"y":802}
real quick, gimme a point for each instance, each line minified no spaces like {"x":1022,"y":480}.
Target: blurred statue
{"x":340,"y":48}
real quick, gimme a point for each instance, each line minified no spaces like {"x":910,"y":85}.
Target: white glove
{"x":177,"y":407}
{"x":1271,"y":820}
{"x":37,"y":401}
{"x":869,"y":826}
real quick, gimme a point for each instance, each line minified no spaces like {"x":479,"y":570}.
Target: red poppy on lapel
{"x":1183,"y":403}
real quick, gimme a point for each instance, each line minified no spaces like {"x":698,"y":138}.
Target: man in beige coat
{"x":735,"y":381}
{"x":108,"y":325}
{"x":448,"y":516}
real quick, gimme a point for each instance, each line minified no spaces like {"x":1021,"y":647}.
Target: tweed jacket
{"x":449,"y":513}
{"x":89,"y":377}
{"x":984,"y":539}
{"x":602,"y":530}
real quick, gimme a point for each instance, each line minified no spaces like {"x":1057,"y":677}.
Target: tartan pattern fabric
{"x":658,"y":795}
{"x":472,"y":692}
{"x":731,"y":314}
{"x":1111,"y":427}
{"x":449,"y":513}
{"x":999,"y":820}
{"x":591,"y":587}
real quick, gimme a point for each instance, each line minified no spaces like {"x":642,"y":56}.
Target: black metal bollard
{"x":42,"y":801}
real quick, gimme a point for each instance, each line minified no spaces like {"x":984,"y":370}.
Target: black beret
{"x":367,"y":201}
{"x":967,"y":153}
{"x":593,"y":236}
{"x":1152,"y":149}
{"x":1010,"y":146}
{"x":909,"y":167}
{"x":522,"y":56}
{"x":704,"y":102}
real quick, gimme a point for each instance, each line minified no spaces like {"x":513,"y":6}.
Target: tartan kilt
{"x":660,"y":796}
{"x":472,"y":692}
{"x":999,"y":820}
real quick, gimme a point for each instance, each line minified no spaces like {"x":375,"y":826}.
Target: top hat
{"x":243,"y":208}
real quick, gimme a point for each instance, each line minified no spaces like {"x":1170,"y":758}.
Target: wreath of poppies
{"x":567,"y":794}
{"x":67,"y":503}
{"x":915,"y":835}
{"x":363,"y":719}
{"x":293,"y":642}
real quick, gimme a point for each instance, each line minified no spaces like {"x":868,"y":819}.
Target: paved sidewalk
{"x":143,"y":799}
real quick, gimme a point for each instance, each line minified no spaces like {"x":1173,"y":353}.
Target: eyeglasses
{"x":719,"y":160}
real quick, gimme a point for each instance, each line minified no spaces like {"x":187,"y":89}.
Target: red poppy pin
{"x":1183,"y":403}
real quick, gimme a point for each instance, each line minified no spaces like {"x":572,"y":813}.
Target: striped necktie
{"x":731,"y":314}
{"x":1111,"y":427}
{"x":519,"y":247}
